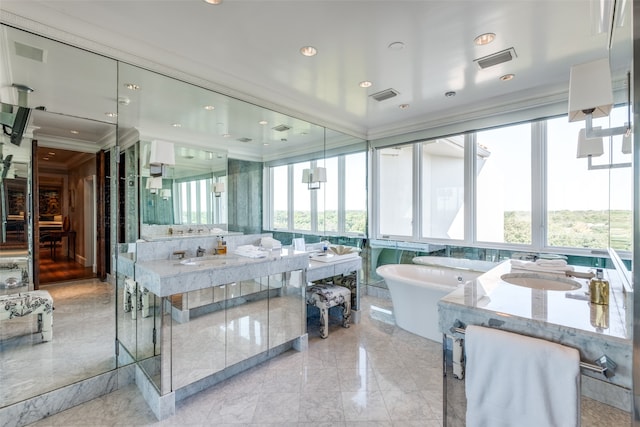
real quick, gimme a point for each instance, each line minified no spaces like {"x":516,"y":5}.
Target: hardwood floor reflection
{"x":62,"y":269}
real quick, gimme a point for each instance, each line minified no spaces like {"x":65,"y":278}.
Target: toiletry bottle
{"x":599,"y":291}
{"x":222,"y":246}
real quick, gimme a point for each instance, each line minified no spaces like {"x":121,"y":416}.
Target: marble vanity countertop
{"x":169,"y":277}
{"x":568,"y":310}
{"x":565,"y":317}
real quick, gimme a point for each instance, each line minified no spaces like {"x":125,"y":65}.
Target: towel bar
{"x":603,"y":364}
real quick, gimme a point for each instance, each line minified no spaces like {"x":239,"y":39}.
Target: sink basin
{"x":211,"y":260}
{"x":541,"y":281}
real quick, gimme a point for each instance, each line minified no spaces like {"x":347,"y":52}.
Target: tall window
{"x":338,"y":207}
{"x":280,"y":198}
{"x":301,"y":199}
{"x":355,"y":193}
{"x":395,"y":189}
{"x":588,"y":208}
{"x":503,"y":185}
{"x":442,"y":188}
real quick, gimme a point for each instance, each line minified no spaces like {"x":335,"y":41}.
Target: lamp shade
{"x":162,"y":153}
{"x":218,"y":188}
{"x":589,"y":146}
{"x":165,"y":193}
{"x":590,"y":89}
{"x":314,"y":175}
{"x":154,"y":183}
{"x":626,"y":144}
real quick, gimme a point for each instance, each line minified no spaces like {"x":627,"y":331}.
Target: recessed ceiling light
{"x":366,"y":83}
{"x":132,"y":86}
{"x":507,"y":77}
{"x":403,"y":106}
{"x":45,"y":158}
{"x":226,"y":135}
{"x":265,"y":144}
{"x":485,"y":38}
{"x":396,"y":46}
{"x":176,"y":125}
{"x":213,"y":1}
{"x":450,"y":94}
{"x":75,"y":132}
{"x":262,"y":122}
{"x":51,"y":153}
{"x":209,"y":107}
{"x":308,"y":51}
{"x":111,"y":114}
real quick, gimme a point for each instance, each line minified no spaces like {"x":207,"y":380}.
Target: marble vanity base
{"x":163,"y":407}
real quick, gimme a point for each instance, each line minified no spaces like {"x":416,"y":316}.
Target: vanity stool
{"x":131,"y":304}
{"x":325,"y":296}
{"x":26,"y":304}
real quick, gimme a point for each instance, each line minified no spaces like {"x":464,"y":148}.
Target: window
{"x":588,"y":208}
{"x":355,"y":193}
{"x":503,"y":185}
{"x":442,"y":188}
{"x":280,"y":198}
{"x":294,"y":207}
{"x":395,"y":190}
{"x":524,"y":176}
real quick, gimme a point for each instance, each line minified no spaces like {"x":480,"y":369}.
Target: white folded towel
{"x":250,"y":251}
{"x":515,"y":380}
{"x":544,"y":268}
{"x":551,"y":263}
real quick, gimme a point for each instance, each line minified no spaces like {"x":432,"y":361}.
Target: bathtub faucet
{"x":200,"y":252}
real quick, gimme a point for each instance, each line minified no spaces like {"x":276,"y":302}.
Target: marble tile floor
{"x":372,"y":374}
{"x":82,"y":313}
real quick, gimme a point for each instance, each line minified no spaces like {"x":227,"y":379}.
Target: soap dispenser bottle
{"x":599,"y":289}
{"x":222,"y":246}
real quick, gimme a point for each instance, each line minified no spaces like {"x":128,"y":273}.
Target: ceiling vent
{"x":496,"y":58}
{"x":385,"y":94}
{"x":29,"y":52}
{"x":245,"y":139}
{"x":281,"y":128}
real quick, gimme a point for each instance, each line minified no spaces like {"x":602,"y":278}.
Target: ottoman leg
{"x":126,"y":299}
{"x":324,"y":322}
{"x":346,"y":313}
{"x":145,"y":302}
{"x":45,"y":325}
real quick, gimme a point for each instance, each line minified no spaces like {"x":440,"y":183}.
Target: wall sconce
{"x":161,"y":154}
{"x":218,"y":188}
{"x":165,"y":193}
{"x":594,"y":147}
{"x":313,"y":177}
{"x":591,"y":96}
{"x":154,"y":184}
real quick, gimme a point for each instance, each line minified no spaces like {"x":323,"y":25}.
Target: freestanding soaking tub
{"x":415,"y":291}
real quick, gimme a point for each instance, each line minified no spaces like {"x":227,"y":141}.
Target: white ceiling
{"x":250,"y":50}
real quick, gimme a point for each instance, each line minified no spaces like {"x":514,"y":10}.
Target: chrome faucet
{"x":200,"y":252}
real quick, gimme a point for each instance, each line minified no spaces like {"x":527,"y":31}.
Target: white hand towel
{"x":532,"y":266}
{"x":551,"y":263}
{"x":514,"y":380}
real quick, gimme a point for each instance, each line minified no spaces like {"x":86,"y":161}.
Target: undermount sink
{"x":211,"y":260}
{"x":541,"y":281}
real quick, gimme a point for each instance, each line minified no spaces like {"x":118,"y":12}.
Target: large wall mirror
{"x":58,"y":112}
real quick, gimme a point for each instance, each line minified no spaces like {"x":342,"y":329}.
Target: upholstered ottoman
{"x":26,"y":304}
{"x":324,"y":297}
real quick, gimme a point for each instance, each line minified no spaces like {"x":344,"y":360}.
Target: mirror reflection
{"x":51,"y":258}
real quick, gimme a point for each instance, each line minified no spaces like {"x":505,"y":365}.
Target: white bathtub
{"x":415,"y":291}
